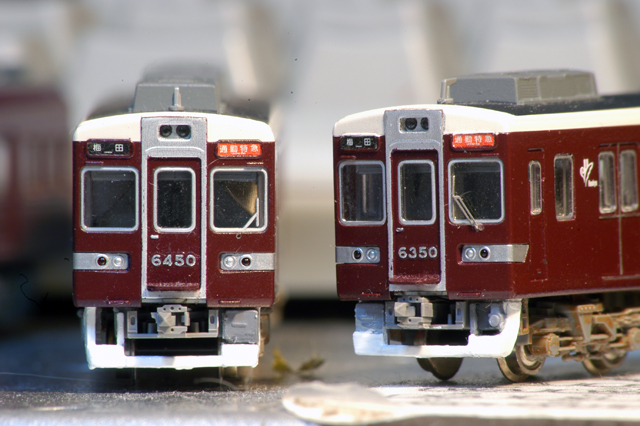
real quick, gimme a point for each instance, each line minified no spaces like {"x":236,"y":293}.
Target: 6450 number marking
{"x":422,"y":252}
{"x":173,"y":260}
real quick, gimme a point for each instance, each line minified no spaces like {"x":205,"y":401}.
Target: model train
{"x":35,"y":195}
{"x":174,"y":228}
{"x":502,"y":222}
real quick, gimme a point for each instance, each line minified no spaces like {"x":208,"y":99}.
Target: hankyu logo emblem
{"x":585,"y":172}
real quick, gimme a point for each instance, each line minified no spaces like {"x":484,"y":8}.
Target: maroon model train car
{"x":502,"y":222}
{"x":35,"y":199}
{"x":174,"y":229}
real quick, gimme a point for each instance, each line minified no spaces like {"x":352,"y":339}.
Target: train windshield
{"x":417,"y":189}
{"x":239,"y":200}
{"x":476,"y":191}
{"x":174,"y":200}
{"x":362,"y":192}
{"x":109,"y":199}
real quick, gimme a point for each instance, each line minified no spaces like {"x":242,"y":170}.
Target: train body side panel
{"x":95,"y":288}
{"x":587,"y":253}
{"x":236,"y":288}
{"x":592,"y":251}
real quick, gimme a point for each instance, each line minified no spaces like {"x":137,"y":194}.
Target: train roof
{"x":219,"y":127}
{"x":629,"y":100}
{"x":179,"y":88}
{"x":604,"y":111}
{"x":184,"y":88}
{"x":516,"y":101}
{"x":520,"y":88}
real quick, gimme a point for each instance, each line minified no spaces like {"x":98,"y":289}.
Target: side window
{"x":109,"y":199}
{"x":563,"y":183}
{"x":607,"y":182}
{"x":362,"y":193}
{"x":535,"y":187}
{"x":174,"y":201}
{"x":417,"y":192}
{"x":239,"y":200}
{"x":628,"y":181}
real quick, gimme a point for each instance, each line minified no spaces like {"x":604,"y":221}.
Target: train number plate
{"x":179,"y":260}
{"x":422,"y":252}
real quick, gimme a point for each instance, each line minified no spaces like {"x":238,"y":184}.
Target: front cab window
{"x":174,"y":200}
{"x":109,"y":199}
{"x":476,"y":191}
{"x":417,"y":192}
{"x":239,"y":200}
{"x":362,"y":193}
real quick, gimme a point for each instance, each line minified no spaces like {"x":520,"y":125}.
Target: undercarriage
{"x":174,"y":336}
{"x":597,"y":330}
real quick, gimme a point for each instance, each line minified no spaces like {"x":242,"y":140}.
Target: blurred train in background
{"x":35,"y":243}
{"x":315,"y":63}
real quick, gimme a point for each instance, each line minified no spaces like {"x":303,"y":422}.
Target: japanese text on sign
{"x":474,"y":141}
{"x":239,"y":150}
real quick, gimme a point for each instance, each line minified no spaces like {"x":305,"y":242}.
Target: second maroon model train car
{"x":174,"y":229}
{"x":502,"y":222}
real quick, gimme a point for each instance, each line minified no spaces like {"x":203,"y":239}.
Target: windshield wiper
{"x":467,"y":213}
{"x":255,"y":217}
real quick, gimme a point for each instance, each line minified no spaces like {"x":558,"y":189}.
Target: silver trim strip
{"x":370,"y":254}
{"x":252,"y":261}
{"x":494,"y":253}
{"x":100,"y":261}
{"x":155,"y":147}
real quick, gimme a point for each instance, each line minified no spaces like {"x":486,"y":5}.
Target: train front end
{"x":411,"y":211}
{"x":174,"y":231}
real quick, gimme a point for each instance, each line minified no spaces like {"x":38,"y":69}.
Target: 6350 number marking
{"x":422,"y":252}
{"x":173,"y":260}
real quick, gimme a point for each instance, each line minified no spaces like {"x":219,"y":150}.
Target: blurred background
{"x":314,"y":61}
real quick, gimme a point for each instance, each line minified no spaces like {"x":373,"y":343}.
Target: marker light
{"x":481,"y":140}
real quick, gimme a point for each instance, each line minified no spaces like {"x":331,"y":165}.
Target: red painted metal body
{"x":94,"y":288}
{"x":105,"y":288}
{"x":369,"y":281}
{"x":592,"y":252}
{"x":243,"y":288}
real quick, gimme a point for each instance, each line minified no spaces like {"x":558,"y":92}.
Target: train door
{"x":173,"y":185}
{"x":173,"y":225}
{"x":415,"y":221}
{"x":537,"y":231}
{"x":618,"y":188}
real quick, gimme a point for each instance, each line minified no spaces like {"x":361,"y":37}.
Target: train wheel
{"x":520,"y":364}
{"x":441,"y":368}
{"x":598,"y":367}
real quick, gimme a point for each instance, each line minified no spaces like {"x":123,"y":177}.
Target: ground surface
{"x":44,"y":379}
